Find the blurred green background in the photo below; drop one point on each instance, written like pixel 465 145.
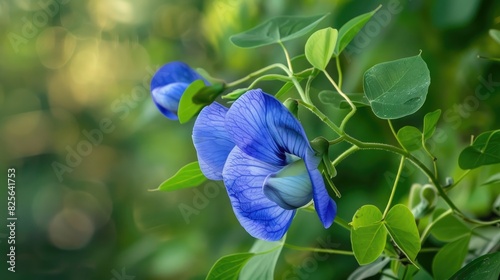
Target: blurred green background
pixel 78 124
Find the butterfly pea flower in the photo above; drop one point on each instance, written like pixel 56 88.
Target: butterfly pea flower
pixel 169 83
pixel 262 154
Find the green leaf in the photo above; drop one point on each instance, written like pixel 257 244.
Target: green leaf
pixel 430 122
pixel 329 97
pixel 278 29
pixel 397 88
pixel 367 271
pixel 410 138
pixel 196 96
pixel 484 151
pixel 320 46
pixel 449 259
pixel 448 228
pixel 229 267
pixel 262 265
pixel 188 176
pixel 400 224
pixel 495 34
pixel 486 267
pixel 368 235
pixel 349 30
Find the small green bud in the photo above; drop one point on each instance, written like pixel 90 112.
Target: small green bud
pixel 293 106
pixel 320 145
pixel 235 94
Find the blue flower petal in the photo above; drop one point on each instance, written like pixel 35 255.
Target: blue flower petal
pixel 167 98
pixel 290 187
pixel 244 177
pixel 263 128
pixel 174 72
pixel 211 140
pixel 325 206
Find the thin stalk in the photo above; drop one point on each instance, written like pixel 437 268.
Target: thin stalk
pixel 391 197
pixel 353 107
pixel 339 70
pixel 394 132
pixel 321 116
pixel 341 222
pixel 287 56
pixel 428 228
pixel 258 72
pixel 319 250
pixel 345 154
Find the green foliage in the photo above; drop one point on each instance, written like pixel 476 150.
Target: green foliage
pixel 430 122
pixel 486 267
pixel 349 30
pixel 403 230
pixel 484 151
pixel 187 177
pixel 262 265
pixel 275 30
pixel 320 46
pixel 367 271
pixel 493 179
pixel 368 234
pixel 229 267
pixel 448 228
pixel 410 138
pixel 397 88
pixel 449 259
pixel 196 96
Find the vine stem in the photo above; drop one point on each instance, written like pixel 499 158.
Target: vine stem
pixel 353 107
pixel 427 229
pixel 345 154
pixel 394 186
pixel 337 60
pixel 287 56
pixel 258 72
pixel 321 116
pixel 423 168
pixel 319 250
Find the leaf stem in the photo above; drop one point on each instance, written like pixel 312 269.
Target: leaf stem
pixel 353 107
pixel 458 180
pixel 394 132
pixel 339 70
pixel 319 250
pixel 394 186
pixel 427 229
pixel 345 154
pixel 321 116
pixel 258 72
pixel 287 56
pixel 341 222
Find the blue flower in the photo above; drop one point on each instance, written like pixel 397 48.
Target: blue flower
pixel 169 83
pixel 268 166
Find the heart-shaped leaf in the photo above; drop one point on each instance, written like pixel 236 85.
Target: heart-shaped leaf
pixel 368 234
pixel 278 29
pixel 320 46
pixel 400 224
pixel 397 88
pixel 484 151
